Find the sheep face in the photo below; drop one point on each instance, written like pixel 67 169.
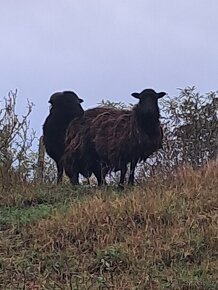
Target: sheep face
pixel 148 102
pixel 66 102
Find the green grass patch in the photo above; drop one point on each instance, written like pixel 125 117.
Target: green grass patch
pixel 160 235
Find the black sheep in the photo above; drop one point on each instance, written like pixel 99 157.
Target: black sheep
pixel 131 136
pixel 108 139
pixel 65 106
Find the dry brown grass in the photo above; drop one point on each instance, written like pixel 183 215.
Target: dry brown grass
pixel 160 235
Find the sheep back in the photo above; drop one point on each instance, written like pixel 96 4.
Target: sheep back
pixel 118 140
pixel 80 154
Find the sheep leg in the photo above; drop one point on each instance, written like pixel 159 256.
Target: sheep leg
pixel 122 176
pixel 100 175
pixel 103 175
pixel 60 173
pixel 132 172
pixel 74 179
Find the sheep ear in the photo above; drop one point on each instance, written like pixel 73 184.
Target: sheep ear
pixel 161 95
pixel 136 95
pixel 81 100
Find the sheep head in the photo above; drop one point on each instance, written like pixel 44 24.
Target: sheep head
pixel 67 102
pixel 148 93
pixel 147 108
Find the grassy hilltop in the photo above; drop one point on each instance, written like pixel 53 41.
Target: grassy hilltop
pixel 162 234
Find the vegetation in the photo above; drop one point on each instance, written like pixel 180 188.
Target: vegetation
pixel 159 235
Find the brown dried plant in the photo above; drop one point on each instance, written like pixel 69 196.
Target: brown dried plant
pixel 16 140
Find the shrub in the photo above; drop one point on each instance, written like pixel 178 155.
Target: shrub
pixel 16 139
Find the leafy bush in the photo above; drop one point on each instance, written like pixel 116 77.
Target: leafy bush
pixel 190 123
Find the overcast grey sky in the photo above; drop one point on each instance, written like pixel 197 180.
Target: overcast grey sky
pixel 105 49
